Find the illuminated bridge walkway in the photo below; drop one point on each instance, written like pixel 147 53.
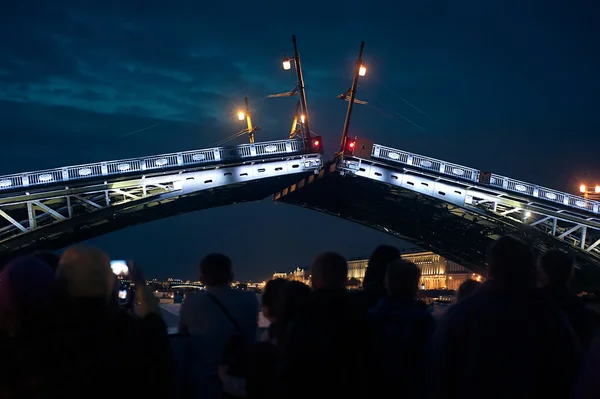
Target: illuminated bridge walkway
pixel 53 208
pixel 450 209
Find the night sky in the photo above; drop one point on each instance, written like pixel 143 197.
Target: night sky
pixel 510 88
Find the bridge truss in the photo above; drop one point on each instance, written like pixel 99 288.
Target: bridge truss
pixel 451 209
pixel 53 208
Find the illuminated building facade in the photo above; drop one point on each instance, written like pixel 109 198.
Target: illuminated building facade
pixel 437 272
pixel 296 275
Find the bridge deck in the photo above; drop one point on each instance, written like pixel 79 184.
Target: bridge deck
pixel 128 167
pixel 395 157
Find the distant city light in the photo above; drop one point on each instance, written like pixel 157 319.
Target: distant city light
pixel 362 71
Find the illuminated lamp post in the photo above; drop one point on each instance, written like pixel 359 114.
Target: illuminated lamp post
pixel 359 71
pixel 248 117
pixel 287 65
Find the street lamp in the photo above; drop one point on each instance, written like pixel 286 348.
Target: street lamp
pixel 248 117
pixel 287 65
pixel 360 70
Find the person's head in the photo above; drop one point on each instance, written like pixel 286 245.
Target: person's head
pixel 467 288
pixel 293 299
pixel 329 272
pixel 27 287
pixel 378 262
pixel 215 270
pixel 511 261
pixel 402 279
pixel 85 273
pixel 555 268
pixel 49 258
pixel 272 297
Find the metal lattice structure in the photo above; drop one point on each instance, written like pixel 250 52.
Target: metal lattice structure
pixel 450 209
pixel 52 208
pixel 566 217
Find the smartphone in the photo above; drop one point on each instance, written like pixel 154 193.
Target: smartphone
pixel 123 294
pixel 119 267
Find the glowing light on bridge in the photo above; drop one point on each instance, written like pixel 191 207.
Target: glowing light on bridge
pixel 241 115
pixel 302 118
pixel 582 188
pixel 362 71
pixel 287 64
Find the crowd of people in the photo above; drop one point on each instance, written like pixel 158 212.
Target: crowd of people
pixel 520 334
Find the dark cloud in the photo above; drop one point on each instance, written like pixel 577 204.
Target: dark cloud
pixel 507 86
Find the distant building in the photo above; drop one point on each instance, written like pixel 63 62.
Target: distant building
pixel 437 272
pixel 296 275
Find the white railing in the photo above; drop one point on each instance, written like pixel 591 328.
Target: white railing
pixel 180 159
pixel 463 172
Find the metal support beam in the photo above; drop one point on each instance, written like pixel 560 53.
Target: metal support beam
pixel 69 207
pixel 31 216
pixel 571 230
pixel 48 210
pixel 13 221
pixel 126 194
pixel 87 201
pixel 306 124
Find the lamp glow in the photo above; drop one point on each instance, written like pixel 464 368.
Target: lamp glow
pixel 362 71
pixel 241 116
pixel 582 188
pixel 597 189
pixel 287 64
pixel 302 118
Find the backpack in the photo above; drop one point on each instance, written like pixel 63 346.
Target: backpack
pixel 237 348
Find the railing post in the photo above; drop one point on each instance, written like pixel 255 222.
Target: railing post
pixel 104 168
pixel 288 146
pixel 65 174
pixel 217 153
pixel 252 150
pixel 25 180
pixel 179 159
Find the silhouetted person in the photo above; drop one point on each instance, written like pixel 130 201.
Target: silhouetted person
pixel 271 306
pixel 290 300
pixel 373 284
pixel 406 326
pixel 27 339
pixel 329 342
pixel 587 384
pixel 467 288
pixel 49 258
pixel 505 340
pixel 99 341
pixel 213 318
pixel 556 270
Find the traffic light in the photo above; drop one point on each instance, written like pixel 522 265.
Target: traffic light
pixel 317 144
pixel 350 146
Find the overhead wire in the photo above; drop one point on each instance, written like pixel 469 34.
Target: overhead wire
pixel 395 93
pixel 373 105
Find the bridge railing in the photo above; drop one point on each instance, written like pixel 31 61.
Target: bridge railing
pixel 464 172
pixel 152 163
